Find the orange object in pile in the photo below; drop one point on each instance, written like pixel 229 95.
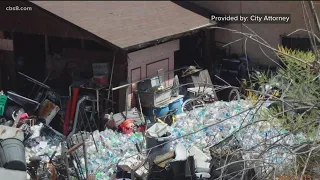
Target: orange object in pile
pixel 127 126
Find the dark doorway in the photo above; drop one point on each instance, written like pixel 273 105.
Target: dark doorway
pixel 190 53
pixel 30 59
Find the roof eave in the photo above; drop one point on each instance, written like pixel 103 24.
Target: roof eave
pixel 155 42
pixel 95 37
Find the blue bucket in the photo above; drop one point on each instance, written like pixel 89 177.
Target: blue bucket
pixel 176 105
pixel 161 111
pixel 158 111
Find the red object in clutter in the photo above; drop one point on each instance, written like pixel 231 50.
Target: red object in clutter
pixel 67 118
pixel 101 80
pixel 24 116
pixel 75 94
pixel 141 129
pixel 127 126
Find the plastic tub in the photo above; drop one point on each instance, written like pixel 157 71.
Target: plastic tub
pixel 176 105
pixel 12 154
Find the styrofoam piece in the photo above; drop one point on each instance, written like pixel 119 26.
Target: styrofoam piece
pixel 142 172
pixel 198 154
pixel 11 132
pixel 181 153
pixel 131 164
pixel 202 166
pixel 203 175
pixel 158 130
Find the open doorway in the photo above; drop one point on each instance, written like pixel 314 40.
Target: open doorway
pixel 29 50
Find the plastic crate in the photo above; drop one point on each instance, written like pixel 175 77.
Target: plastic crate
pixel 3 101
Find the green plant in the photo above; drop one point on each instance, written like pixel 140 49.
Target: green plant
pixel 297 111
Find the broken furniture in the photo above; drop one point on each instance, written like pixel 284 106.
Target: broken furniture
pixel 153 92
pixel 101 107
pixel 83 126
pixel 151 99
pixel 48 111
pixel 39 96
pixel 26 103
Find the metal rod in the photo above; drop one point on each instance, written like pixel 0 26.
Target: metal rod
pixel 98 104
pixel 126 85
pixel 34 81
pixel 75 121
pixel 85 160
pixel 126 105
pixel 22 97
pixel 316 19
pixel 65 157
pixel 75 147
pixel 110 83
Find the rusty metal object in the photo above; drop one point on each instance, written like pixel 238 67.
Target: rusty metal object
pixel 75 147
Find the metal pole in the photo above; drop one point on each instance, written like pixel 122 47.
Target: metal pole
pixel 316 19
pixel 110 83
pixel 85 159
pixel 126 104
pixel 126 85
pixel 34 81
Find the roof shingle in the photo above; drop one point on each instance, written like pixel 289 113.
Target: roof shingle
pixel 126 23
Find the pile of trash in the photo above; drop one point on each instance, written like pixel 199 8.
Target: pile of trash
pixel 43 141
pixel 262 143
pixel 105 149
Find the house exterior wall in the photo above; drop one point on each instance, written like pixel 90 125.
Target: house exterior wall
pixel 269 32
pixel 145 63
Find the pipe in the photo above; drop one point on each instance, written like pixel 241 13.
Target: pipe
pixel 34 81
pixel 110 83
pixel 76 116
pixel 126 85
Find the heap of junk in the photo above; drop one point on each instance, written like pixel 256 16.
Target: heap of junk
pixel 182 131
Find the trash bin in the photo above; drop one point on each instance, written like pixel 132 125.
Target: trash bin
pixel 155 141
pixel 184 169
pixel 12 154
